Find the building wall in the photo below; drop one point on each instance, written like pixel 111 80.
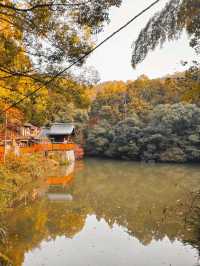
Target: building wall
pixel 58 138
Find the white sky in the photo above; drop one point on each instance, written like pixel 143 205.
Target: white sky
pixel 113 59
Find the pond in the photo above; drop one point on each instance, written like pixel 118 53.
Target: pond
pixel 109 213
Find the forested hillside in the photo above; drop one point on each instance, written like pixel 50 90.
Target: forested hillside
pixel 150 120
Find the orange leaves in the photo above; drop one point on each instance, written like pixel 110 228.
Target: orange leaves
pixel 14 115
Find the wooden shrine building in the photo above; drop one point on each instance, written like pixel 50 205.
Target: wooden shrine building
pixel 59 132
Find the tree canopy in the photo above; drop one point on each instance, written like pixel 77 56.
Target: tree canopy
pixel 168 24
pixel 37 39
pixel 48 32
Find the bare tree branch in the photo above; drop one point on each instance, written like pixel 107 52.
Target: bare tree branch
pixel 48 5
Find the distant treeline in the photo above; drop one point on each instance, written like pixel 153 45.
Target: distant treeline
pixel 150 120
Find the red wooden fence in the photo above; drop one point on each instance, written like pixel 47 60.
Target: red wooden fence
pixel 49 147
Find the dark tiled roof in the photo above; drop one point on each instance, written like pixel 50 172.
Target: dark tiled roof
pixel 57 129
pixel 61 129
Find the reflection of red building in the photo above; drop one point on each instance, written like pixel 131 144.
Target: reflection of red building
pixel 58 187
pixel 65 180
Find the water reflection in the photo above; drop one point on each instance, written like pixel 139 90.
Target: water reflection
pixel 58 187
pixel 118 213
pixel 98 244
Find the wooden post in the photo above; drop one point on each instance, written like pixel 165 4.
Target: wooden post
pixel 5 137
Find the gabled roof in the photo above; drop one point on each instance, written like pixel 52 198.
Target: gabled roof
pixel 61 129
pixel 57 129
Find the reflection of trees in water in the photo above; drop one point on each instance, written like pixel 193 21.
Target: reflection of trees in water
pixel 193 222
pixel 28 227
pixel 150 201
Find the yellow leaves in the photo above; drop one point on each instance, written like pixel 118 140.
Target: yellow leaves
pixel 76 40
pixel 139 105
pixel 89 94
pixel 193 94
pixel 87 32
pixel 9 27
pixel 14 115
pixel 41 222
pixel 25 85
pixel 21 61
pixel 107 89
pixel 143 94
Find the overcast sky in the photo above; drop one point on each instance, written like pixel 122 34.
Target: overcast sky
pixel 113 59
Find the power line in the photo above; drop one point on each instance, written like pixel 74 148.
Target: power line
pixel 82 57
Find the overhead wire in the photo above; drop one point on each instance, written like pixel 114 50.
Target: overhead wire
pixel 81 57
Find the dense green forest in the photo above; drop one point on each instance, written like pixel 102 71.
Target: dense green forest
pixel 150 120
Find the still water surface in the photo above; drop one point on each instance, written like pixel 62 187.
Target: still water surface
pixel 109 213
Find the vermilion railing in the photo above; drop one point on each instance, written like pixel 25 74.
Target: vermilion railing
pixel 60 180
pixel 46 147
